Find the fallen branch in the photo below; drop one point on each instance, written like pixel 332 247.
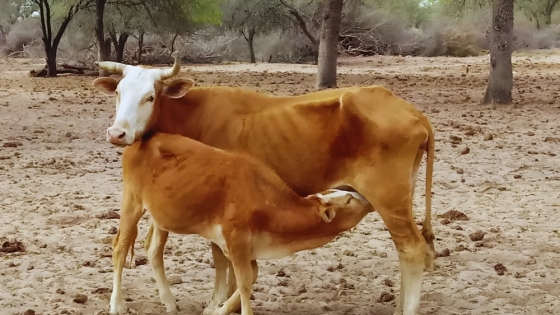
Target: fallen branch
pixel 66 69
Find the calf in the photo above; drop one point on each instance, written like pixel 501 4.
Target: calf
pixel 231 199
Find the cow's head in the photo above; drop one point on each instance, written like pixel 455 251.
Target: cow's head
pixel 137 96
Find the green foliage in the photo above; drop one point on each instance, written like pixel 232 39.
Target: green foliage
pixel 11 11
pixel 253 16
pixel 538 11
pixel 182 16
pixel 409 10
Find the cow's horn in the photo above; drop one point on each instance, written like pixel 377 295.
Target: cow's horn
pixel 171 72
pixel 111 66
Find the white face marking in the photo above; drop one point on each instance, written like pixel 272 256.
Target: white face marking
pixel 335 193
pixel 135 103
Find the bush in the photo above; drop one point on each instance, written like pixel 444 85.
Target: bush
pixel 23 33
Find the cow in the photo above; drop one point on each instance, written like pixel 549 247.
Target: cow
pixel 230 198
pixel 365 138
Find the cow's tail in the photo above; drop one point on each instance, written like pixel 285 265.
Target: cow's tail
pixel 427 231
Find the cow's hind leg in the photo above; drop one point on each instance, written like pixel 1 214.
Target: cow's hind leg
pixel 130 215
pixel 155 245
pixel 390 194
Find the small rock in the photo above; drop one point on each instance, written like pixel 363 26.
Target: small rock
pixel 140 260
pixel 445 221
pixel 455 215
pixel 444 253
pixel 388 282
pixel 488 136
pixel 11 144
pixel 500 269
pixel 88 263
pixel 516 176
pixel 476 236
pixel 175 280
pixel 459 170
pixel 302 289
pixel 29 312
pixel 466 150
pixel 80 298
pixel 386 297
pixel 68 134
pixel 60 291
pixel 101 290
pixel 455 139
pixel 281 273
pixel 530 133
pixel 12 246
pixel 382 255
pixel 109 215
pixel 112 230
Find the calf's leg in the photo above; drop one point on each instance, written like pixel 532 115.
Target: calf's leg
pixel 220 293
pixel 233 303
pixel 155 245
pixel 130 215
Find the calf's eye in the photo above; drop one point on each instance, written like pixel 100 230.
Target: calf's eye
pixel 150 99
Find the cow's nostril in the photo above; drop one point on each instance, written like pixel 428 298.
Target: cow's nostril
pixel 122 135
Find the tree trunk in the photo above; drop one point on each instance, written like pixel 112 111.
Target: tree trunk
pixel 140 46
pixel 301 22
pixel 100 35
pixel 500 83
pixel 250 40
pixel 51 62
pixel 548 18
pixel 119 42
pixel 173 43
pixel 252 51
pixel 328 44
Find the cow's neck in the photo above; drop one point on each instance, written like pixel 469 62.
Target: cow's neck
pixel 199 117
pixel 303 221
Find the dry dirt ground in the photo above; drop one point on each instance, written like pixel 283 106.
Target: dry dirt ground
pixel 58 176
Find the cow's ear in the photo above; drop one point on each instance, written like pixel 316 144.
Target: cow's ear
pixel 105 85
pixel 178 88
pixel 327 213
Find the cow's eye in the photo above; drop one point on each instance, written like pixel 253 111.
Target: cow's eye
pixel 150 99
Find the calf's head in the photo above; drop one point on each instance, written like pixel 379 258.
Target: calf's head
pixel 343 207
pixel 138 96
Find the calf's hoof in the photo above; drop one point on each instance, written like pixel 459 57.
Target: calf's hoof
pixel 210 311
pixel 117 308
pixel 171 307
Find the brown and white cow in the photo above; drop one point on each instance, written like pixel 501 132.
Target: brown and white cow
pixel 362 137
pixel 231 199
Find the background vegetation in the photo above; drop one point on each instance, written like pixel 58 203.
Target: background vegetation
pixel 147 31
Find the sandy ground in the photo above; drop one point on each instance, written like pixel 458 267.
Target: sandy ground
pixel 58 176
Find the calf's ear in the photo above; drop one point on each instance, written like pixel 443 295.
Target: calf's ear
pixel 327 214
pixel 105 85
pixel 178 88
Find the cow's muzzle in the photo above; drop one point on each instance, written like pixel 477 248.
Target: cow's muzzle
pixel 117 135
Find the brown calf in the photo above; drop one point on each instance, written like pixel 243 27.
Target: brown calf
pixel 231 199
